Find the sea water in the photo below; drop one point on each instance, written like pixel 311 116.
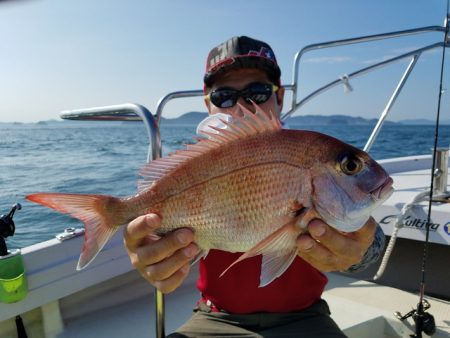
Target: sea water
pixel 104 158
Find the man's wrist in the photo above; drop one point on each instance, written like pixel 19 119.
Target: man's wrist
pixel 372 254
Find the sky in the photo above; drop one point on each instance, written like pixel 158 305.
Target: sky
pixel 58 55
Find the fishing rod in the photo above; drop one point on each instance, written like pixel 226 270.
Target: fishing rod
pixel 424 321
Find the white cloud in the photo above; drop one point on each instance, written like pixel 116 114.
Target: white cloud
pixel 376 60
pixel 328 59
pixel 405 49
pixel 400 51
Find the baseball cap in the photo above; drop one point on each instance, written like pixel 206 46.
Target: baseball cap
pixel 241 52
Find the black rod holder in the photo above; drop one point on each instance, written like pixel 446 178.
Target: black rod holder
pixel 7 228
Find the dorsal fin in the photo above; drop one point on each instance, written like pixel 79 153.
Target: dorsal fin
pixel 213 121
pixel 219 129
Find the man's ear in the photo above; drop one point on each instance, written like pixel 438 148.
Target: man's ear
pixel 280 97
pixel 207 104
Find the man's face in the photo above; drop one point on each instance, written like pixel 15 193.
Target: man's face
pixel 241 78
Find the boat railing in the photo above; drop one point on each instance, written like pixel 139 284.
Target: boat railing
pixel 122 112
pixel 414 55
pixel 125 113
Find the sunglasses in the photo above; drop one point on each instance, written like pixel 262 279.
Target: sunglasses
pixel 227 97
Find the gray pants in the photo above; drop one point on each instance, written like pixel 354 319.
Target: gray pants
pixel 314 321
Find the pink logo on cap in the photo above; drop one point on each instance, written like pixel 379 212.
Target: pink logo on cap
pixel 264 52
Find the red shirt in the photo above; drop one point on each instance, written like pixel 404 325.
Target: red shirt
pixel 237 291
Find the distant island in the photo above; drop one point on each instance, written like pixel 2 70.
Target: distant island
pixel 193 118
pixel 308 120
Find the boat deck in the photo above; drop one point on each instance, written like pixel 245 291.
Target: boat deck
pixel 354 305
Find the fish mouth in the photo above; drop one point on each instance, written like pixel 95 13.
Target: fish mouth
pixel 383 191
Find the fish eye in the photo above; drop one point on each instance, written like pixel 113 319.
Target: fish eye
pixel 350 165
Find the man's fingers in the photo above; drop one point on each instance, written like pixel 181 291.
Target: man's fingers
pixel 316 254
pixel 140 228
pixel 330 238
pixel 163 261
pixel 162 248
pixel 174 281
pixel 328 249
pixel 367 233
pixel 167 267
pixel 352 244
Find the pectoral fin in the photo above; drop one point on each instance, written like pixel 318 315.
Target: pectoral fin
pixel 275 264
pixel 278 250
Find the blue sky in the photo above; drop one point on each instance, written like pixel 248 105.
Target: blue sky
pixel 57 55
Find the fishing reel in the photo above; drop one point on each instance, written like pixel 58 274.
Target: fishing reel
pixel 424 321
pixel 7 228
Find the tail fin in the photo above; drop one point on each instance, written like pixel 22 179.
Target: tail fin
pixel 95 211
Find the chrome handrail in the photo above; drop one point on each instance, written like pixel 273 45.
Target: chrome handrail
pixel 131 112
pixel 344 42
pixel 390 103
pixel 174 95
pixel 122 112
pixel 414 53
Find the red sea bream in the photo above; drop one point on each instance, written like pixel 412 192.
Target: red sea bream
pixel 249 187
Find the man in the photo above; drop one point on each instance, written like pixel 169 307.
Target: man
pixel 244 70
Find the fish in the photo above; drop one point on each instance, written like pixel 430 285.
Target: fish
pixel 247 185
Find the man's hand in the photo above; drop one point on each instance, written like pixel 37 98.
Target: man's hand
pixel 328 249
pixel 164 262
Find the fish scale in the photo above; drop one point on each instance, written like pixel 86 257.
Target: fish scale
pixel 245 200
